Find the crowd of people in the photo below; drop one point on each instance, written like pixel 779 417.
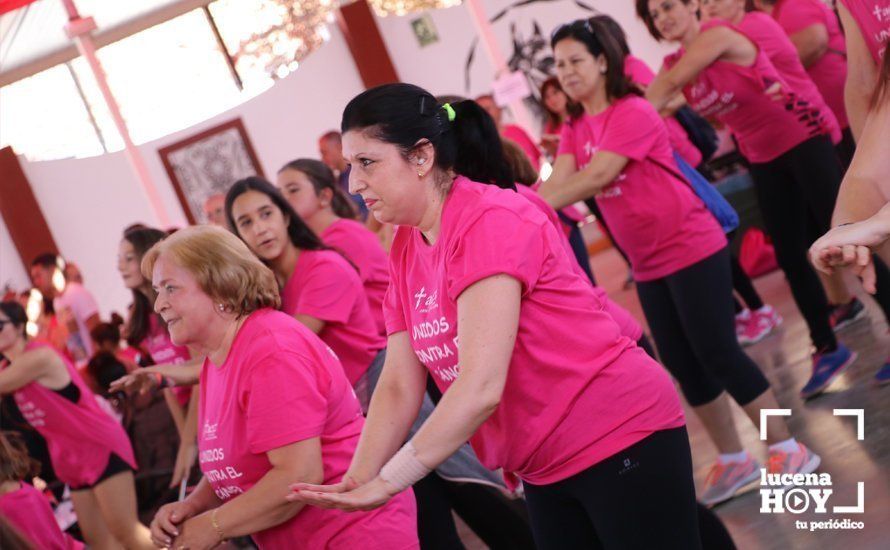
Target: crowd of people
pixel 409 329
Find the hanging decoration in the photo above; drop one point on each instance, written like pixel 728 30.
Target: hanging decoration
pixel 283 34
pixel 404 7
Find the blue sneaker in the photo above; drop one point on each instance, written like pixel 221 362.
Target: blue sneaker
pixel 883 375
pixel 826 367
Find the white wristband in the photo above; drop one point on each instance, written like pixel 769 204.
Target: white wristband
pixel 404 470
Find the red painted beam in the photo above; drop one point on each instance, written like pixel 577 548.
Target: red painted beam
pixel 20 211
pixel 359 27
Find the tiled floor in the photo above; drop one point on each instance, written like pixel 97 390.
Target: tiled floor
pixel 785 359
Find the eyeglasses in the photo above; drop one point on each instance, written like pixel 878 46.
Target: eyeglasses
pixel 580 24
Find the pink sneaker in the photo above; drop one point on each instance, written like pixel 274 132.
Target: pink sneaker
pixel 724 481
pixel 801 461
pixel 760 324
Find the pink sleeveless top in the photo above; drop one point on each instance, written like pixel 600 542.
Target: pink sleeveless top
pixel 873 18
pixel 80 436
pixel 735 95
pixel 769 36
pixel 28 511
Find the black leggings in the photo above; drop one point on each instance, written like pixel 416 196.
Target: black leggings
pixel 642 497
pixel 797 192
pixel 576 241
pixel 499 521
pixel 744 286
pixel 690 314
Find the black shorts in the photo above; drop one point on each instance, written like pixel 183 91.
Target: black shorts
pixel 115 466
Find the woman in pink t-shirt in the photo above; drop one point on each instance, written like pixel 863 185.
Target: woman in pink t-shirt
pixel 275 408
pixel 514 133
pixel 817 37
pixel 308 185
pixel 88 449
pixel 866 26
pixel 534 373
pixel 22 505
pixel 795 169
pixel 147 332
pixel 319 286
pixel 618 151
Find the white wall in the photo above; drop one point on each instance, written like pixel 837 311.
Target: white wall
pixel 440 67
pixel 12 270
pixel 88 202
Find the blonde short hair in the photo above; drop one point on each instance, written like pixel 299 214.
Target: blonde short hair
pixel 226 270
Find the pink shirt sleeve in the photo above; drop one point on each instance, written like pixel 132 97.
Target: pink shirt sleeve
pixel 328 294
pixel 628 131
pixel 566 140
pixel 796 15
pixel 498 242
pixel 393 314
pixel 284 399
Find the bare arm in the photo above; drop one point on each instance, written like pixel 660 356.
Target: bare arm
pixel 28 367
pixel 711 45
pixel 602 169
pixel 862 74
pixel 811 43
pixel 314 324
pixel 394 407
pixel 264 505
pixel 866 185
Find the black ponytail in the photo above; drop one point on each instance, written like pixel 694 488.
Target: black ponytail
pixel 404 114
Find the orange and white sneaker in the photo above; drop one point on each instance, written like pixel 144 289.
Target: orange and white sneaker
pixel 725 480
pixel 801 461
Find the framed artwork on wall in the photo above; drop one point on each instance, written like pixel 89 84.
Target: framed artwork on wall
pixel 207 164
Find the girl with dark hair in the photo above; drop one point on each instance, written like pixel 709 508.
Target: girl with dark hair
pixel 556 110
pixel 89 450
pixel 26 508
pixel 318 286
pixel 619 152
pixel 147 332
pixel 308 185
pixel 484 297
pixel 795 170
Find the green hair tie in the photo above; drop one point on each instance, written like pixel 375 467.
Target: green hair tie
pixel 450 110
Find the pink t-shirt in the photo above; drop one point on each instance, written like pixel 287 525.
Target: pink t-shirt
pixel 80 437
pixel 764 127
pixel 164 352
pixel 362 247
pixel 873 18
pixel 77 302
pixel 771 38
pixel 325 286
pixel 830 70
pixel 657 219
pixel 639 73
pixel 626 323
pixel 522 139
pixel 29 512
pixel 281 385
pixel 577 391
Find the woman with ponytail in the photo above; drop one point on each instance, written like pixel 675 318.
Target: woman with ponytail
pixel 534 374
pixel 308 185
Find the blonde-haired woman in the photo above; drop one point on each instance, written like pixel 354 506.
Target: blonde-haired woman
pixel 275 407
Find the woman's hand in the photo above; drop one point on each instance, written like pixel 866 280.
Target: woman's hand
pixel 850 246
pixel 185 459
pixel 346 495
pixel 166 523
pixel 138 382
pixel 197 533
